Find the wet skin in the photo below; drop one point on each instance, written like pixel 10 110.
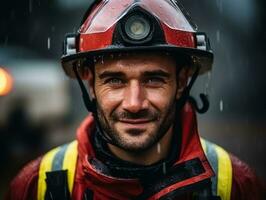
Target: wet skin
pixel 136 97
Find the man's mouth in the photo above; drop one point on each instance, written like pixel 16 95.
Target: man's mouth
pixel 135 121
pixel 135 126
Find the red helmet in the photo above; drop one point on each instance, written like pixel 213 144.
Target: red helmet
pixel 132 26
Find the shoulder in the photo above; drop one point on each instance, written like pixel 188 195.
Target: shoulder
pixel 233 177
pixel 24 185
pixel 246 185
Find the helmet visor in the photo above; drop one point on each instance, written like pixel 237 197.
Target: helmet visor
pixel 109 12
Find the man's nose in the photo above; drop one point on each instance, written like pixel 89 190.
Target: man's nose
pixel 134 98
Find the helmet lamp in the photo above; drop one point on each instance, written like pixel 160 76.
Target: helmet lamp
pixel 137 27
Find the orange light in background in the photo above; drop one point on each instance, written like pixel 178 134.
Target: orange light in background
pixel 6 82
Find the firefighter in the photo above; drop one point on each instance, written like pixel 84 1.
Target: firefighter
pixel 140 140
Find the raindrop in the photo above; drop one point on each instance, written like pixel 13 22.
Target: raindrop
pixel 220 5
pixel 30 6
pixel 221 105
pixel 74 29
pixel 207 84
pixel 164 168
pixel 94 59
pixel 209 74
pixel 218 36
pixel 51 196
pixel 158 148
pixel 48 43
pixel 85 196
pixel 206 91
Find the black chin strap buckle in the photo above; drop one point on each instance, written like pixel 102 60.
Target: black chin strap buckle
pixel 205 103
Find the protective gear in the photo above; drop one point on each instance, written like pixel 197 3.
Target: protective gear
pixel 115 26
pixel 58 162
pixel 92 179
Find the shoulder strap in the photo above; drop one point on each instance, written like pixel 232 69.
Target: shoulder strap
pixel 222 166
pixel 60 158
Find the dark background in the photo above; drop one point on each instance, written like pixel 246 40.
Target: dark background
pixel 34 30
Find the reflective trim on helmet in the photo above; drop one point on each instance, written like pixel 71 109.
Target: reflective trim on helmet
pixel 106 15
pixel 168 13
pixel 109 12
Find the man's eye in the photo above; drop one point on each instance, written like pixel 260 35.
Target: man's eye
pixel 113 81
pixel 155 80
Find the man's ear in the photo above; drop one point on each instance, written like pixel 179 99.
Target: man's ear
pixel 90 77
pixel 182 81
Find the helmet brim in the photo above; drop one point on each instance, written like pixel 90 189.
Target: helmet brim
pixel 199 58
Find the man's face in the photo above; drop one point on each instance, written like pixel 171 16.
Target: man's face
pixel 135 97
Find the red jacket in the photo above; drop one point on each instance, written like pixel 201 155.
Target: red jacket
pixel 245 185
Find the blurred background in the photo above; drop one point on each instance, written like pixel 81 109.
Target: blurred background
pixel 40 107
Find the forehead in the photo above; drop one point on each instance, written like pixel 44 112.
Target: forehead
pixel 129 63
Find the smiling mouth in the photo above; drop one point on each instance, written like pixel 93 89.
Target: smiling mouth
pixel 135 126
pixel 135 121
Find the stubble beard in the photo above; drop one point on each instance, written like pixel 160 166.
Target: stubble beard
pixel 163 123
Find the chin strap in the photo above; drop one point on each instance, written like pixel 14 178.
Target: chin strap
pixel 103 135
pixel 89 104
pixel 186 96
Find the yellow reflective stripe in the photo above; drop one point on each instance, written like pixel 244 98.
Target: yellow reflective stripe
pixel 223 170
pixel 69 163
pixel 45 166
pixel 224 174
pixel 203 144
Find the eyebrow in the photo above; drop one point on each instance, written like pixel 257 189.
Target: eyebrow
pixel 157 73
pixel 161 73
pixel 107 74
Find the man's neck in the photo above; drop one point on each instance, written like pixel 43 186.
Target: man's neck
pixel 154 154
